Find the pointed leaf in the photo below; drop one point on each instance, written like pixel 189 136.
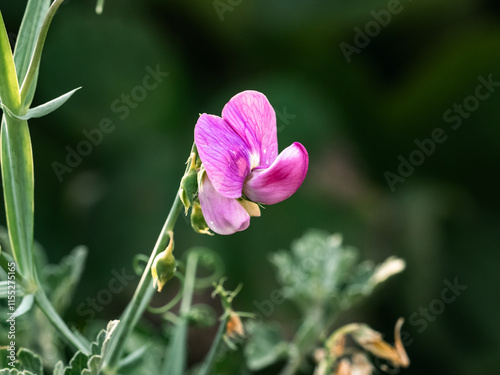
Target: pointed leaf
pixel 44 109
pixel 29 82
pixel 134 357
pixel 9 88
pixel 25 305
pixel 34 15
pixel 32 23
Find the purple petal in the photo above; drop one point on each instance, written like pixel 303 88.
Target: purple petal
pixel 223 153
pixel 282 179
pixel 253 118
pixel 223 215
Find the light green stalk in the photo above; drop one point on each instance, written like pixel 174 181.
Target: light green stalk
pixel 141 297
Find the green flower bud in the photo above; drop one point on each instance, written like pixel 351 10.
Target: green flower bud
pixel 189 188
pixel 189 182
pixel 163 268
pixel 198 220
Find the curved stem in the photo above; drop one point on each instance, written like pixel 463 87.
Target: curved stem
pixel 141 297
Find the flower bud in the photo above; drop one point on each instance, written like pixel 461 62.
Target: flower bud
pixel 198 220
pixel 163 268
pixel 234 327
pixel 188 188
pixel 189 182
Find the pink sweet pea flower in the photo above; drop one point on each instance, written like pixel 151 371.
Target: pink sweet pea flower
pixel 240 155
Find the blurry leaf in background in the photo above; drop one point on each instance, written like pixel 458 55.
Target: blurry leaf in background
pixel 265 346
pixel 60 281
pixel 320 270
pixel 26 362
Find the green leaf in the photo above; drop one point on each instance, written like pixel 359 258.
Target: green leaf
pixel 44 109
pixel 82 364
pixel 4 361
pixel 265 347
pixel 77 364
pixel 17 176
pixel 76 340
pixel 61 280
pixel 26 363
pixel 30 79
pixel 93 366
pixel 9 88
pixel 25 305
pixel 29 361
pixel 134 357
pixel 10 372
pixel 59 368
pixel 32 22
pixel 320 262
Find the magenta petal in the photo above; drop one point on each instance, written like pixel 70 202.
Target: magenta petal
pixel 252 117
pixel 223 153
pixel 282 179
pixel 223 215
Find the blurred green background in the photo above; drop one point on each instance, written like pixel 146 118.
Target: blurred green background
pixel 355 118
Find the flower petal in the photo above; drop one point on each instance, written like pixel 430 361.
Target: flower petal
pixel 223 153
pixel 282 179
pixel 252 117
pixel 223 215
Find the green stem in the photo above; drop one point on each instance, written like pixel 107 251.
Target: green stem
pixel 216 344
pixel 176 358
pixel 304 340
pixel 44 304
pixel 190 279
pixel 142 295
